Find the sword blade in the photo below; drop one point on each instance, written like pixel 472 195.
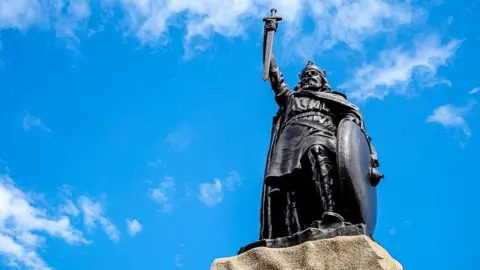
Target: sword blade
pixel 268 43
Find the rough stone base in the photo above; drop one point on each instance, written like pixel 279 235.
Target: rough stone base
pixel 341 252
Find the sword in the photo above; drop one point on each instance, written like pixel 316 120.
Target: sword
pixel 269 32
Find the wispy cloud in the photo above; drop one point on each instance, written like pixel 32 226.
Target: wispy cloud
pixel 164 194
pixel 178 257
pixel 178 260
pixel 20 14
pixel 211 193
pixel 336 21
pixel 91 210
pixel 157 162
pixel 451 116
pixel 29 122
pixel 69 208
pixel 343 22
pixel 133 227
pixel 67 18
pixel 93 215
pixel 474 90
pixel 25 227
pixel 395 69
pixel 233 181
pixel 181 137
pixel 348 24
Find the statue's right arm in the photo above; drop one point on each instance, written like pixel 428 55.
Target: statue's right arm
pixel 280 88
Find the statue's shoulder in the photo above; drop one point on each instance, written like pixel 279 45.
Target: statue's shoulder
pixel 340 94
pixel 341 97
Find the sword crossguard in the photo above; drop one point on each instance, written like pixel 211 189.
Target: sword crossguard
pixel 273 18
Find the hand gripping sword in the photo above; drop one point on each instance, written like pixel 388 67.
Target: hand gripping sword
pixel 269 31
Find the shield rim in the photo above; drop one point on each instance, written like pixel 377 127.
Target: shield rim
pixel 369 190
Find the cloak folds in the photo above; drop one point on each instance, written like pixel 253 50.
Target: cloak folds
pixel 274 214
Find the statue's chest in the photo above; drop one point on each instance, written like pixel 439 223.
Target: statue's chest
pixel 307 104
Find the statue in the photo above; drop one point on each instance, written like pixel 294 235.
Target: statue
pixel 321 166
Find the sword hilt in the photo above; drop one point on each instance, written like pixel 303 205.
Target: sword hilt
pixel 273 17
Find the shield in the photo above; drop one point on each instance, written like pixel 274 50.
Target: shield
pixel 353 163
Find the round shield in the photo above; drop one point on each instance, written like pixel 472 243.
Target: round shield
pixel 353 162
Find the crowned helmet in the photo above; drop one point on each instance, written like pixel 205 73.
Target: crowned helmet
pixel 311 66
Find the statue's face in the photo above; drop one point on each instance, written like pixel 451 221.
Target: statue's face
pixel 311 80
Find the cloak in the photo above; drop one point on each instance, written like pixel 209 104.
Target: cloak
pixel 274 214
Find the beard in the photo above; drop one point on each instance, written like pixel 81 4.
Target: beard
pixel 310 84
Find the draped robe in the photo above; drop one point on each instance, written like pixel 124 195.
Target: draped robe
pixel 285 154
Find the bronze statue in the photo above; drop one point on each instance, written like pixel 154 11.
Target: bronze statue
pixel 321 167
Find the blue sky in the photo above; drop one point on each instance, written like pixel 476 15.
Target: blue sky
pixel 134 132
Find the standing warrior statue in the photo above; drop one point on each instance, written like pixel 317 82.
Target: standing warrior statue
pixel 321 166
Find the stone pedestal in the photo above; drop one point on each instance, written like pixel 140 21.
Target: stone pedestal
pixel 357 252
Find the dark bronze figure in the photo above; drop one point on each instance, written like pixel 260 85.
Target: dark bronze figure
pixel 321 167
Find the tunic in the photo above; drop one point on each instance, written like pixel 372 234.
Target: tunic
pixel 308 121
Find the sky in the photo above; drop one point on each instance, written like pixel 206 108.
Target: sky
pixel 134 133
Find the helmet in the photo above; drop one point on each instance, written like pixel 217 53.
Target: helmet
pixel 311 66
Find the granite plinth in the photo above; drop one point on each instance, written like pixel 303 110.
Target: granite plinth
pixel 337 253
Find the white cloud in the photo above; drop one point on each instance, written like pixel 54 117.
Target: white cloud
pixel 178 260
pixel 133 227
pixel 336 21
pixel 93 215
pixel 181 137
pixel 395 69
pixel 65 17
pixel 211 193
pixel 164 194
pixel 29 121
pixel 233 181
pixel 157 162
pixel 344 22
pixel 347 23
pixel 69 208
pixel 19 14
pixel 451 116
pixel 25 226
pixel 474 90
pixel 70 18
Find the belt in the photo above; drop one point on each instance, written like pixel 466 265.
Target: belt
pixel 297 117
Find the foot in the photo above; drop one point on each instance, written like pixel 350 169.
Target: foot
pixel 331 218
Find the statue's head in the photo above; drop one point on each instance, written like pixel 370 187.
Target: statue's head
pixel 313 78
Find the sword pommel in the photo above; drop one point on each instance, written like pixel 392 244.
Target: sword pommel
pixel 272 12
pixel 273 16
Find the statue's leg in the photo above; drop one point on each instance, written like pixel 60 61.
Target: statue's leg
pixel 292 218
pixel 323 165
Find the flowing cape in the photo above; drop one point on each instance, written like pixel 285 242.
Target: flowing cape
pixel 273 210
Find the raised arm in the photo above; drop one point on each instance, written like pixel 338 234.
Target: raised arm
pixel 280 88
